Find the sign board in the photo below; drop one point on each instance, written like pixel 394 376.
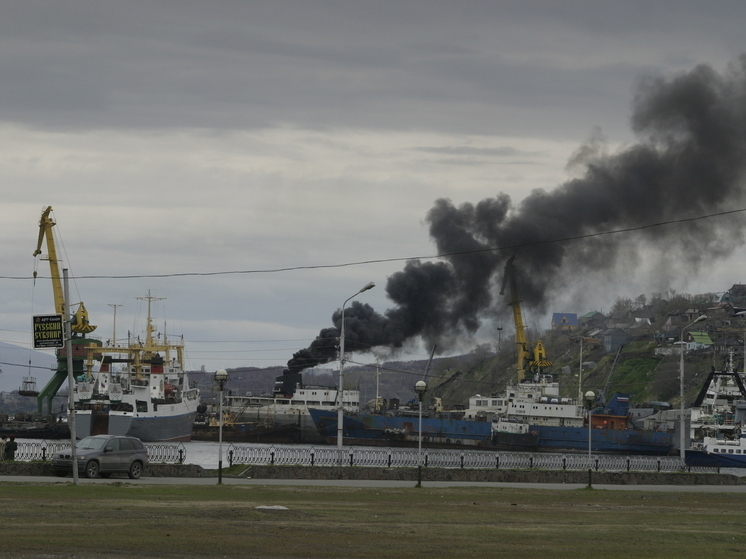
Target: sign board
pixel 48 331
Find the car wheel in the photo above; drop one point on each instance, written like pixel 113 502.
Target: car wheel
pixel 135 470
pixel 91 469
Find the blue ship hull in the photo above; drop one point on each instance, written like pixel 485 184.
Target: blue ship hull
pixel 609 441
pixel 714 459
pixel 381 430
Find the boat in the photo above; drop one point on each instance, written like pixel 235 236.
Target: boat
pixel 720 453
pixel 400 428
pixel 561 424
pixel 716 421
pixel 280 417
pixel 139 390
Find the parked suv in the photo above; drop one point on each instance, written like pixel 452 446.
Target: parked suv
pixel 104 455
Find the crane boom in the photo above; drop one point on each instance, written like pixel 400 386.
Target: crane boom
pixel 80 323
pixel 537 357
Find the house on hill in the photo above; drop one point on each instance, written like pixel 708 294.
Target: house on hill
pixel 697 340
pixel 614 338
pixel 565 322
pixel 593 318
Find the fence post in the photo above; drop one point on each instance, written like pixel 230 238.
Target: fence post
pixel 462 461
pixel 44 454
pixel 531 462
pixel 311 458
pixel 350 458
pixel 272 458
pixel 659 465
pixel 596 465
pixel 628 464
pixel 497 461
pixel 230 457
pixel 564 462
pixel 181 456
pixel 389 458
pixel 426 459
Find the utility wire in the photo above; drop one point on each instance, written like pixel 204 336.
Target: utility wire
pixel 404 259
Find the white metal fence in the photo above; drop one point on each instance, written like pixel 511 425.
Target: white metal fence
pixel 254 455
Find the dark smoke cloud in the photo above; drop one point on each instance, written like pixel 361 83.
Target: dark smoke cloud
pixel 689 161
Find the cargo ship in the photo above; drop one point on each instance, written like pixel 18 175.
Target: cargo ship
pixel 562 423
pixel 401 428
pixel 280 417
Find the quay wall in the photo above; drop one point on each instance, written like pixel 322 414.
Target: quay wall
pixel 410 474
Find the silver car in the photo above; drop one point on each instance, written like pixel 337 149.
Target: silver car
pixel 104 455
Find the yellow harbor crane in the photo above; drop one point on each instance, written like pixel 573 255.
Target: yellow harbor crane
pixel 80 323
pixel 536 357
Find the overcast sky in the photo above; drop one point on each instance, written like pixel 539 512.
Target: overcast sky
pixel 198 137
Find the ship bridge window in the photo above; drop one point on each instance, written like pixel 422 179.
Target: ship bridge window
pixel 141 406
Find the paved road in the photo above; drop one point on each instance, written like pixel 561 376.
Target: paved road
pixel 374 483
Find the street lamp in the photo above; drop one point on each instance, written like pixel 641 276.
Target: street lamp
pixel 420 387
pixel 682 422
pixel 590 398
pixel 340 409
pixel 221 377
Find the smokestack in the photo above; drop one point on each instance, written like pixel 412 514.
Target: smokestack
pixel 688 162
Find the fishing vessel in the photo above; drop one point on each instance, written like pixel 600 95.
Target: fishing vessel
pixel 561 424
pixel 280 417
pixel 139 390
pixel 717 421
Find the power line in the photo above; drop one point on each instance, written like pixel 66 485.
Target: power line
pixel 404 259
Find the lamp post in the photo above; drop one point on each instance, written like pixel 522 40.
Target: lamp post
pixel 590 398
pixel 221 377
pixel 682 422
pixel 340 409
pixel 420 387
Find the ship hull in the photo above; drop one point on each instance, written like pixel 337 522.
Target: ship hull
pixel 381 430
pixel 610 441
pixel 706 459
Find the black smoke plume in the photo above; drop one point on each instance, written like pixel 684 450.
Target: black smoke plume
pixel 689 161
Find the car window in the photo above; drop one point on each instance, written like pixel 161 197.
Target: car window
pixel 137 444
pixel 125 444
pixel 91 443
pixel 112 445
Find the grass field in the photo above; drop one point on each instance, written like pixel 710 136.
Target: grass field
pixel 126 520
